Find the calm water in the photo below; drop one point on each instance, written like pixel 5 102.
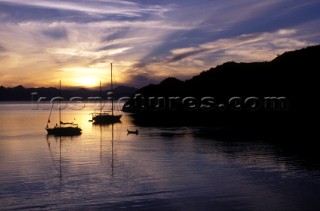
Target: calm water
pixel 161 168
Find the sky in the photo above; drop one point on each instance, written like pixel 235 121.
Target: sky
pixel 44 41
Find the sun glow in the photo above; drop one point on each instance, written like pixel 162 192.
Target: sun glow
pixel 86 81
pixel 83 77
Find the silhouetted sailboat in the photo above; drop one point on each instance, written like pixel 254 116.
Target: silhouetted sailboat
pixel 106 117
pixel 63 128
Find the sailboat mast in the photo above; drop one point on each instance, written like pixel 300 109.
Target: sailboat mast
pixel 100 98
pixel 112 92
pixel 59 104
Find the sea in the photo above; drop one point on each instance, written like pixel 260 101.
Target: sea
pixel 160 168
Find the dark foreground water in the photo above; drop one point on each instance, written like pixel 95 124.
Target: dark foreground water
pixel 167 168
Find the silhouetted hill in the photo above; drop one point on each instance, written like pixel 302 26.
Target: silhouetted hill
pixel 20 93
pixel 280 91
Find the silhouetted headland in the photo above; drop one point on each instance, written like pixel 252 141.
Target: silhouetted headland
pixel 281 92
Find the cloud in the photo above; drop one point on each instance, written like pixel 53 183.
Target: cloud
pixel 2 49
pixel 3 52
pixel 56 32
pixel 273 42
pixel 146 24
pixel 187 54
pixel 83 53
pixel 123 8
pixel 137 80
pixel 286 31
pixel 244 48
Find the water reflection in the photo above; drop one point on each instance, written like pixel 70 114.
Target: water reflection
pixel 64 149
pixel 56 150
pixel 102 128
pixel 174 168
pixel 260 150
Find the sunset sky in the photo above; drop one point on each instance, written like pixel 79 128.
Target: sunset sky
pixel 43 41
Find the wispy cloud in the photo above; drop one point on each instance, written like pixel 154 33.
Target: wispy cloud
pixel 82 53
pixel 123 8
pixel 244 48
pixel 225 44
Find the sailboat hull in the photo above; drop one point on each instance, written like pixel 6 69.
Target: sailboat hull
pixel 64 131
pixel 106 119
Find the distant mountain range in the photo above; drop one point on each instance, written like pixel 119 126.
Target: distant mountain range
pixel 20 93
pixel 282 90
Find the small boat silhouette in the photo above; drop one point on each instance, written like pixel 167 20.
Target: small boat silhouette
pixel 133 132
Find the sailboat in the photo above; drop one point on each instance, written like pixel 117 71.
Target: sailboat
pixel 106 117
pixel 62 128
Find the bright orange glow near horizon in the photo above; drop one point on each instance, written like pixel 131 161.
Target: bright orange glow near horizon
pixel 84 77
pixel 92 76
pixel 86 82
